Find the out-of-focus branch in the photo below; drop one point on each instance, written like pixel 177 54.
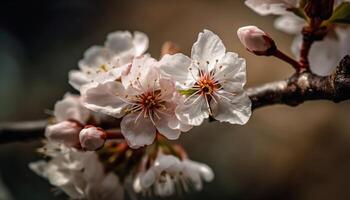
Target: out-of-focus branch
pixel 303 87
pixel 22 131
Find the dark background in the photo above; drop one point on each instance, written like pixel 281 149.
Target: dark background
pixel 282 153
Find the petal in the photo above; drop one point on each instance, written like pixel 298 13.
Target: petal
pixel 105 97
pixel 207 48
pixel 120 43
pixel 267 7
pixel 231 71
pixel 323 57
pixel 290 24
pixel 168 163
pixel 138 130
pixel 235 109
pixel 147 179
pixel 143 74
pixel 94 57
pixel 77 79
pixel 193 112
pixel 163 128
pixel 176 67
pixel 71 108
pixel 140 42
pixel 167 88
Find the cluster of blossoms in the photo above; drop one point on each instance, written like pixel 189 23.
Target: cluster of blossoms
pixel 111 141
pixel 325 53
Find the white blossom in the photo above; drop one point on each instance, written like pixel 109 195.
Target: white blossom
pixel 79 174
pixel 142 98
pixel 215 80
pixel 109 61
pixel 168 174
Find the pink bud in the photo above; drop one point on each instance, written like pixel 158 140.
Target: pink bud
pixel 256 40
pixel 92 138
pixel 66 132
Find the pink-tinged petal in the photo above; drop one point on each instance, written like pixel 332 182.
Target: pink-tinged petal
pixel 177 67
pixel 235 109
pixel 163 127
pixel 105 97
pixel 207 48
pixel 232 71
pixel 77 79
pixel 175 123
pixel 138 130
pixel 140 42
pixel 94 57
pixel 255 39
pixel 120 43
pixel 167 88
pixel 71 108
pixel 193 111
pixel 143 74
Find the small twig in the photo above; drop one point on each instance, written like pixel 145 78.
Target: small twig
pixel 311 33
pixel 282 56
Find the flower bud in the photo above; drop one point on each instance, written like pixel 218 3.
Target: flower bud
pixel 256 40
pixel 66 132
pixel 319 9
pixel 92 138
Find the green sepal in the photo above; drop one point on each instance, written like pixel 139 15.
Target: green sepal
pixel 341 14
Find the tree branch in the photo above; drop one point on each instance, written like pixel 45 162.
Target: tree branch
pixel 22 131
pixel 293 91
pixel 304 86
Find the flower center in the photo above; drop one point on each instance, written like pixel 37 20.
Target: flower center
pixel 207 85
pixel 149 104
pixel 149 100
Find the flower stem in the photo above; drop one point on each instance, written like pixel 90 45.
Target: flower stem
pixel 282 56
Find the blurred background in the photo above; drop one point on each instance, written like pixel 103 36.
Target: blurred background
pixel 284 153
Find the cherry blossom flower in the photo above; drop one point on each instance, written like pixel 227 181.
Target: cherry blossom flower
pixel 109 61
pixel 78 174
pixel 214 80
pixel 142 98
pixel 168 174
